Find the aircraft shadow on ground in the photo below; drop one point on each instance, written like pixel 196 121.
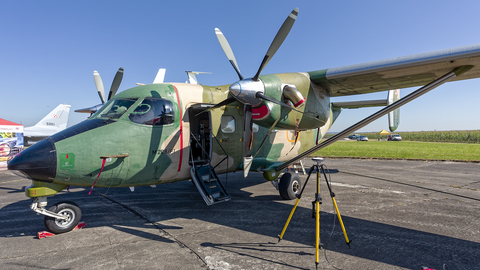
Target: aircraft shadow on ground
pixel 263 215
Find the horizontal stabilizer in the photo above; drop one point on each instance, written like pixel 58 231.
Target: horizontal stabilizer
pixel 393 117
pixel 192 78
pixel 360 104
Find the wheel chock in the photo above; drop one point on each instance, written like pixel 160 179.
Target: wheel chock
pixel 45 234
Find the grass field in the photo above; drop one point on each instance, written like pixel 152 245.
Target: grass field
pixel 403 150
pixel 452 136
pixel 430 150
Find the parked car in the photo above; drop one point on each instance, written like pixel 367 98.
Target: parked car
pixel 353 137
pixel 394 137
pixel 362 138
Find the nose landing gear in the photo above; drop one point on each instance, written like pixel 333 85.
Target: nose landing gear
pixel 60 218
pixel 71 213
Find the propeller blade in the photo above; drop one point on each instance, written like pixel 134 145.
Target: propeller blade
pixel 223 103
pixel 90 110
pixel 267 98
pixel 277 41
pixel 116 83
pixel 228 51
pixel 247 131
pixel 247 140
pixel 99 85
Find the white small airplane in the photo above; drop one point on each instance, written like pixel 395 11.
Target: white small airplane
pixel 52 123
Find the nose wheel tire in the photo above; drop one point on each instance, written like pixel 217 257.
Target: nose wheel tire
pixel 68 209
pixel 289 186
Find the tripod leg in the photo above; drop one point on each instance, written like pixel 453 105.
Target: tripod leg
pixel 336 208
pixel 341 222
pixel 318 200
pixel 280 237
pixel 317 231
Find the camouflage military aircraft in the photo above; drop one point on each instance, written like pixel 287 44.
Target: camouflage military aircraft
pixel 167 132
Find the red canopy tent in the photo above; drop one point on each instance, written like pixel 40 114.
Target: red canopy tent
pixel 7 126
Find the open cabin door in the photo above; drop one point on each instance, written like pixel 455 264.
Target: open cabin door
pixel 200 136
pixel 202 172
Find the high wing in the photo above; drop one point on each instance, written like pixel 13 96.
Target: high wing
pixel 428 70
pixel 397 73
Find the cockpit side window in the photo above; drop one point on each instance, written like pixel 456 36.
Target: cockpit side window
pixel 115 109
pixel 153 112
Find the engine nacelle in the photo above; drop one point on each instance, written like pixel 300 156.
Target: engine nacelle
pixel 291 88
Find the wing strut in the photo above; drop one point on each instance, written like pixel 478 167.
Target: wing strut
pixel 445 78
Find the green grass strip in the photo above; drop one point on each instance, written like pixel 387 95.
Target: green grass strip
pixel 403 150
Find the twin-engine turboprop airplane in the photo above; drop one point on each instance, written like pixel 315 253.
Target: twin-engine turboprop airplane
pixel 167 132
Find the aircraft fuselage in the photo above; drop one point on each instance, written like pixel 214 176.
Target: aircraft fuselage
pixel 155 128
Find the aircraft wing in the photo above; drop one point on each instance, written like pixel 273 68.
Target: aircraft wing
pixel 396 73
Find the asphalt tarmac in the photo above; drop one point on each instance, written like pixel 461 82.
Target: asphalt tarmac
pixel 398 215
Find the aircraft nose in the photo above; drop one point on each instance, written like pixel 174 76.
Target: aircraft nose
pixel 38 161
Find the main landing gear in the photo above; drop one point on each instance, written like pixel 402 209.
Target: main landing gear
pixel 60 218
pixel 289 186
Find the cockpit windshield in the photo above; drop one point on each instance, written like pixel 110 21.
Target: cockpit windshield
pixel 153 112
pixel 115 109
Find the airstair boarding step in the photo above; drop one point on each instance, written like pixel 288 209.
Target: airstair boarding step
pixel 208 184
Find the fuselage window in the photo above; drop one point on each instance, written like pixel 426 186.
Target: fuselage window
pixel 153 112
pixel 115 109
pixel 227 124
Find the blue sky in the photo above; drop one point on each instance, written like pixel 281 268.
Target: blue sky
pixel 49 49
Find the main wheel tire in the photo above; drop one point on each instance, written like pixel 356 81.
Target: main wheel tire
pixel 290 185
pixel 69 209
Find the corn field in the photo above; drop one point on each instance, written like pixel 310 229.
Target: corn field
pixel 455 136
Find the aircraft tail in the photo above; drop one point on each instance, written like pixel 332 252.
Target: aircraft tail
pixel 57 118
pixel 393 116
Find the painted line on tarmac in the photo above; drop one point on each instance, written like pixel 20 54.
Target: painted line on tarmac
pixel 410 185
pixel 12 181
pixel 372 188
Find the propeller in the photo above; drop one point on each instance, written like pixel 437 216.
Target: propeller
pixel 228 51
pixel 101 91
pixel 278 40
pixel 251 91
pixel 113 89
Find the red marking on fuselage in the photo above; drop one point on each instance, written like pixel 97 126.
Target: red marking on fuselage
pixel 181 129
pixel 260 112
